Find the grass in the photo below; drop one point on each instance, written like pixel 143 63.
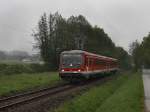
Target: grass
pixel 128 98
pixel 10 62
pixel 21 82
pixel 121 95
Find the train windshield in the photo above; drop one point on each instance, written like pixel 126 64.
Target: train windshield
pixel 71 60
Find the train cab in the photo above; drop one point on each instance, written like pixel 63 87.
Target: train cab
pixel 71 64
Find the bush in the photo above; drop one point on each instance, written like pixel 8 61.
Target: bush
pixel 21 68
pixel 2 66
pixel 38 68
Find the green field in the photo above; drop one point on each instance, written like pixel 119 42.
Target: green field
pixel 124 94
pixel 22 82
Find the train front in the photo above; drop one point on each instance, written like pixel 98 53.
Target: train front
pixel 71 65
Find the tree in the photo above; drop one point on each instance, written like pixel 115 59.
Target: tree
pixel 78 28
pixel 56 34
pixel 42 39
pixel 145 51
pixel 123 58
pixel 49 38
pixel 100 42
pixel 141 53
pixel 135 51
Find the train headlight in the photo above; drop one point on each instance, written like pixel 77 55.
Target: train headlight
pixel 79 70
pixel 62 70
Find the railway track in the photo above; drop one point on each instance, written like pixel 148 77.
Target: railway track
pixel 6 103
pixel 28 97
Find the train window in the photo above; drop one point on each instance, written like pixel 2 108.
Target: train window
pixel 89 62
pixel 96 62
pixel 71 60
pixel 100 62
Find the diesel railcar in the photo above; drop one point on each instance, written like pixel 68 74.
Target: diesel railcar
pixel 77 64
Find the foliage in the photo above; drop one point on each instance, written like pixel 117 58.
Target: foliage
pixel 22 82
pixel 56 34
pixel 99 42
pixel 141 52
pixel 122 95
pixel 123 58
pixel 18 68
pixel 135 51
pixel 145 49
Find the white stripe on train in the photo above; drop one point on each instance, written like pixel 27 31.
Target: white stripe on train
pixel 91 72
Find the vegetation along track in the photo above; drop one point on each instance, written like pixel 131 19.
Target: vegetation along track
pixel 28 97
pixel 20 99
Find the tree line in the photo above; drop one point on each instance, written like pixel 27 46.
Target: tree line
pixel 55 34
pixel 17 55
pixel 141 53
pixel 13 55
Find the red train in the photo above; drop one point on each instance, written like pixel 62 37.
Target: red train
pixel 81 64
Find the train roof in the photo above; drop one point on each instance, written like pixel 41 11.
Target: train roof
pixel 80 51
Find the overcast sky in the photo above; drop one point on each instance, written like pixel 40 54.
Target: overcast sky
pixel 123 20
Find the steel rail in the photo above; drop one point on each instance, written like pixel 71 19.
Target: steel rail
pixel 32 95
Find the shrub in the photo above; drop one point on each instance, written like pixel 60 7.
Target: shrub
pixel 2 66
pixel 21 68
pixel 38 68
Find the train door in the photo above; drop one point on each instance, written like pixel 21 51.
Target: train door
pixel 108 67
pixel 91 64
pixel 86 64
